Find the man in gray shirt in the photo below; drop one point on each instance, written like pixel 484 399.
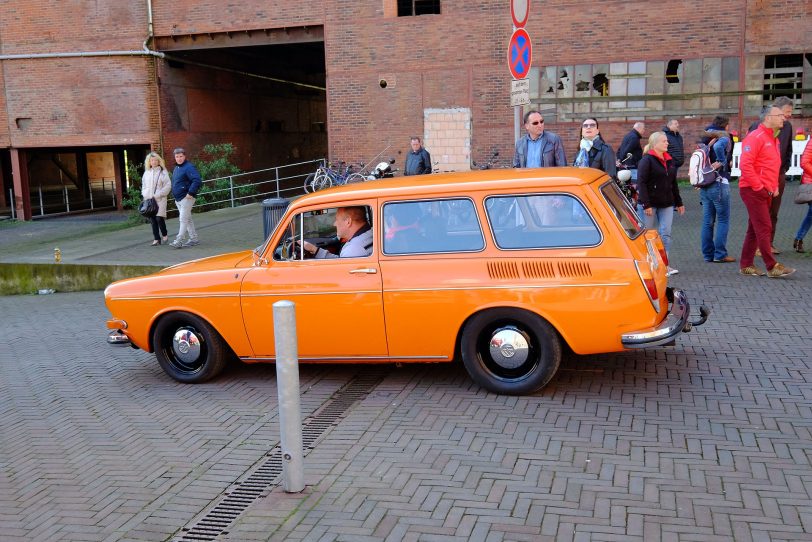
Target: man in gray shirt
pixel 353 230
pixel 538 148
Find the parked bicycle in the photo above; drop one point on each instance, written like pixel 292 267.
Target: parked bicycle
pixel 332 175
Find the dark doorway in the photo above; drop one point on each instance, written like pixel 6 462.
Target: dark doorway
pixel 268 100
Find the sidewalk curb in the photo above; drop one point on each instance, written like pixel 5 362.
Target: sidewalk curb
pixel 28 278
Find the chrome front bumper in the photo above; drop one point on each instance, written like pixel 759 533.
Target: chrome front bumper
pixel 117 337
pixel 675 323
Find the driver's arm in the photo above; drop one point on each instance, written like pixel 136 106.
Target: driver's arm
pixel 317 252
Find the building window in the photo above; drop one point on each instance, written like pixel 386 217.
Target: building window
pixel 407 8
pixel 783 76
pixel 633 90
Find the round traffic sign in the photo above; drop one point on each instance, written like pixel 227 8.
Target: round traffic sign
pixel 519 10
pixel 520 54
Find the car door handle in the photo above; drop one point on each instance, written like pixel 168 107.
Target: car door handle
pixel 366 270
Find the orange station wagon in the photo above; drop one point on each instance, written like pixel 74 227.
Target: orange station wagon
pixel 498 268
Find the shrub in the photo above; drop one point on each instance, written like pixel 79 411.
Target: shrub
pixel 214 162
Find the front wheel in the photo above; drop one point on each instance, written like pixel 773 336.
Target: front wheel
pixel 510 351
pixel 188 348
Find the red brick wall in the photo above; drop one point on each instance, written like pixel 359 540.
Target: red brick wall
pixel 76 101
pixel 457 58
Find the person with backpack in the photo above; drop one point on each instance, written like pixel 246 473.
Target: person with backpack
pixel 714 196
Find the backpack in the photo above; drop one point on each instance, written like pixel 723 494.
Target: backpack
pixel 700 172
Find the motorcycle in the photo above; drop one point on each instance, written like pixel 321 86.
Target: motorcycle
pixel 382 171
pixel 624 181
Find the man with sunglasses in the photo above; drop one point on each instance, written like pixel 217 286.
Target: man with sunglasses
pixel 538 148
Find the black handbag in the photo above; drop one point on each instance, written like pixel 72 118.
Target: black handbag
pixel 148 208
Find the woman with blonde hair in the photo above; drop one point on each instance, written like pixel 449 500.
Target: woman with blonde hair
pixel 155 183
pixel 658 192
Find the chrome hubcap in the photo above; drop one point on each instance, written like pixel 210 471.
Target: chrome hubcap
pixel 509 348
pixel 186 345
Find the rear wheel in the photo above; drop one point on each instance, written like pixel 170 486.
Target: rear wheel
pixel 355 178
pixel 321 181
pixel 188 348
pixel 510 351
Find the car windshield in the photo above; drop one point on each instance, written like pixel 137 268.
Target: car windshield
pixel 622 209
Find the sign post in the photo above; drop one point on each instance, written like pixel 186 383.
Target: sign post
pixel 520 58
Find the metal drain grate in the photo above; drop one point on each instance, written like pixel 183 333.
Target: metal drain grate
pixel 236 500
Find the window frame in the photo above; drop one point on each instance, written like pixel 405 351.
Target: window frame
pixel 589 213
pixel 382 232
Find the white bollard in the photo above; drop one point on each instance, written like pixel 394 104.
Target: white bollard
pixel 287 382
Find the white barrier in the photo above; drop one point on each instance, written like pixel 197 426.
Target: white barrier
pixel 794 164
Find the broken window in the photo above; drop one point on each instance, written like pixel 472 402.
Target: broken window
pixel 407 8
pixel 783 76
pixel 672 70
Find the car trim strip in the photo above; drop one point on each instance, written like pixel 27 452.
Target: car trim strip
pixel 355 292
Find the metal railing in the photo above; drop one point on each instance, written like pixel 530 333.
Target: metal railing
pixel 279 181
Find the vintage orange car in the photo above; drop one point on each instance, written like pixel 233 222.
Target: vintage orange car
pixel 499 268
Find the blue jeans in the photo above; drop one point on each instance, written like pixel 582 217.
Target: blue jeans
pixel 805 225
pixel 715 211
pixel 662 217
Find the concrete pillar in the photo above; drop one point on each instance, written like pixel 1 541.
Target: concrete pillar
pixel 19 173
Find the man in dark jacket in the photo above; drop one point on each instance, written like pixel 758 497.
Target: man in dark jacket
pixel 418 161
pixel 538 148
pixel 785 141
pixel 675 146
pixel 631 145
pixel 186 182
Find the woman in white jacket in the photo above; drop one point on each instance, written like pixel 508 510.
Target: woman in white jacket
pixel 156 183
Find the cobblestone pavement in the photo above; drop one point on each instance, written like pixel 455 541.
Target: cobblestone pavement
pixel 706 440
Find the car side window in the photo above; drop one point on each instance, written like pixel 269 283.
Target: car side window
pixel 431 226
pixel 555 220
pixel 317 227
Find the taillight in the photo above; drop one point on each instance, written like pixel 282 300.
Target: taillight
pixel 645 270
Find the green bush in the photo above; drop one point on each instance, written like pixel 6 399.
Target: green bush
pixel 214 162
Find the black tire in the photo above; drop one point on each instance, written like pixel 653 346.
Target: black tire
pixel 198 355
pixel 523 366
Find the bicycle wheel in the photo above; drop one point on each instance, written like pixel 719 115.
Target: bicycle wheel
pixel 321 180
pixel 308 183
pixel 355 178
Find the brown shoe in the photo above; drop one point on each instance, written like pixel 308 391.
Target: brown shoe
pixel 752 271
pixel 780 270
pixel 798 245
pixel 726 259
pixel 775 250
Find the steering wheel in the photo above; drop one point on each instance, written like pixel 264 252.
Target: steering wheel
pixel 291 250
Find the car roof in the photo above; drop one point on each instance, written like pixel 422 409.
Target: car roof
pixel 459 183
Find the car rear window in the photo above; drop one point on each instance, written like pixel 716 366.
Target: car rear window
pixel 555 220
pixel 622 209
pixel 429 226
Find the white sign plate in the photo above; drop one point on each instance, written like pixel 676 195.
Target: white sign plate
pixel 519 92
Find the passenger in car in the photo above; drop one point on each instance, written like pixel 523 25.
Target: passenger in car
pixel 353 230
pixel 402 228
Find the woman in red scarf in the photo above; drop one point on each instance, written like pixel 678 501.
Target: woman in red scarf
pixel 658 192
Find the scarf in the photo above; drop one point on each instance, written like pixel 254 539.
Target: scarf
pixel 582 160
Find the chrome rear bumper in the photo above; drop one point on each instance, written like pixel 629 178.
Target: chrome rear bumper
pixel 675 323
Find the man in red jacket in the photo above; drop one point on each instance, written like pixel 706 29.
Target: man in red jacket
pixel 758 185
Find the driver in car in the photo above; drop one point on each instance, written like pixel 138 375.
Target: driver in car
pixel 354 232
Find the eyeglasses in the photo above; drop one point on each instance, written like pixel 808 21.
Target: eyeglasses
pixel 590 125
pixel 536 123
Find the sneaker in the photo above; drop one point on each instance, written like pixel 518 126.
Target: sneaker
pixel 191 243
pixel 752 271
pixel 671 271
pixel 780 270
pixel 176 244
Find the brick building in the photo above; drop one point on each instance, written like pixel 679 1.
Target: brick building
pixel 86 84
